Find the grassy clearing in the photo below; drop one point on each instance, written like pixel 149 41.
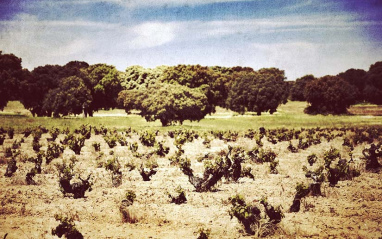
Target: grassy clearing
pixel 290 115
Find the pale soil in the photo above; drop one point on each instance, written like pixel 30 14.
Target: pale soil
pixel 352 209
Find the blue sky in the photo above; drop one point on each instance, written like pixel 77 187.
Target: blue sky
pixel 302 37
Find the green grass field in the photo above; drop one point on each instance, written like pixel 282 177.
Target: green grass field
pixel 290 115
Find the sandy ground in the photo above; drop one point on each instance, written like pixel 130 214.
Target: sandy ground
pixel 352 209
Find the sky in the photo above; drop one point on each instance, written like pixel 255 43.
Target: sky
pixel 319 37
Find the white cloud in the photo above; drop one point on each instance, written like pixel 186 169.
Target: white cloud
pixel 152 34
pixel 301 4
pixel 337 47
pixel 319 59
pixel 72 48
pixel 42 42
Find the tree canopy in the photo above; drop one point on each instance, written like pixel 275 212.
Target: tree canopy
pixel 104 83
pixel 329 95
pixel 70 97
pixel 136 77
pixel 356 78
pixel 373 89
pixel 36 84
pixel 297 90
pixel 10 77
pixel 46 90
pixel 169 103
pixel 260 91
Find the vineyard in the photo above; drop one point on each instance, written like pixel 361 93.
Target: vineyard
pixel 96 182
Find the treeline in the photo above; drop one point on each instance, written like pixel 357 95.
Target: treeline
pixel 334 94
pixel 173 94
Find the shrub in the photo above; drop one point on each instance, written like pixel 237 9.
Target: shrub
pixel 29 177
pixel 96 146
pixel 66 170
pixel 230 136
pixel 2 138
pixel 260 155
pixel 69 137
pixel 11 168
pixel 247 172
pixel 250 134
pixel 302 190
pixel 258 139
pixel 43 129
pixel 99 160
pixel 371 155
pixel 134 147
pixel 54 132
pixel 203 233
pixel 149 169
pixel 272 166
pixel 274 213
pixel 101 130
pixel 303 144
pixel 213 172
pixel 161 150
pixel 272 139
pixel 8 152
pixel 38 161
pixel 331 155
pixel 130 196
pixel 11 132
pixel 66 131
pixel 237 156
pixel 127 215
pixel 16 145
pixel 37 133
pixel 27 131
pixel 111 140
pixel 147 138
pixel 267 155
pixel 207 142
pixel 342 171
pixel 252 218
pixel 76 144
pixel 66 228
pixel 347 142
pixel 247 215
pixel 224 164
pixel 130 165
pixel 317 175
pixel 180 196
pixel 53 151
pixel 114 166
pixel 85 131
pixel 66 173
pixel 122 140
pixel 291 148
pixel 177 157
pixel 312 158
pixel 36 146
